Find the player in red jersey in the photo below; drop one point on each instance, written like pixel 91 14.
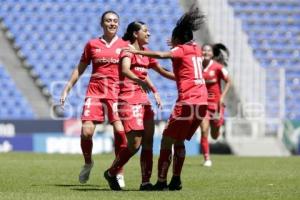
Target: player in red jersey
pixel 103 89
pixel 191 104
pixel 134 107
pixel 214 73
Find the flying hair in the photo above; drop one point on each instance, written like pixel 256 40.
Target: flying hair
pixel 192 20
pixel 189 22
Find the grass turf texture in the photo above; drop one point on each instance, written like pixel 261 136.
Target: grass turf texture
pixel 41 176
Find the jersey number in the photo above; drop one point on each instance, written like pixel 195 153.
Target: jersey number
pixel 197 62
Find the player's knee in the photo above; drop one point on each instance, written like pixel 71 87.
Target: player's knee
pixel 87 133
pixel 147 143
pixel 204 133
pixel 134 148
pixel 166 143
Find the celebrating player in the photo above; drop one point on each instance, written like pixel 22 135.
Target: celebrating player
pixel 135 109
pixel 191 104
pixel 214 72
pixel 103 90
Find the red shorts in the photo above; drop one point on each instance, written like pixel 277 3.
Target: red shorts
pixel 216 116
pixel 94 109
pixel 184 121
pixel 134 115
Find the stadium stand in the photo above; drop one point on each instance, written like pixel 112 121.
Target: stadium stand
pixel 13 104
pixel 51 35
pixel 273 28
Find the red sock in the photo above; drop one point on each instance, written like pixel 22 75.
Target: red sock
pixel 178 159
pixel 120 143
pixel 205 147
pixel 146 161
pixel 86 147
pixel 164 162
pixel 120 161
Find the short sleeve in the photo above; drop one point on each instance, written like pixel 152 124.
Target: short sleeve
pixel 177 52
pixel 86 56
pixel 124 54
pixel 153 62
pixel 223 73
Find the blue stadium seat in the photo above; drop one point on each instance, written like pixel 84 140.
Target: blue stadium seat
pixel 273 29
pixel 52 33
pixel 12 102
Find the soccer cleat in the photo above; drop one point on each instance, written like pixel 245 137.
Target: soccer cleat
pixel 160 186
pixel 207 163
pixel 175 183
pixel 84 174
pixel 146 187
pixel 112 181
pixel 121 180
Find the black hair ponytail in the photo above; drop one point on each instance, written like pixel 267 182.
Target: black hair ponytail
pixel 219 51
pixel 131 28
pixel 189 22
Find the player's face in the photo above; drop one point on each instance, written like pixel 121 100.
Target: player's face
pixel 143 35
pixel 110 24
pixel 207 52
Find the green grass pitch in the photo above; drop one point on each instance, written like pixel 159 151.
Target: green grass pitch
pixel 41 176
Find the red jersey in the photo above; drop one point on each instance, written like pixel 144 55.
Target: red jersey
pixel 131 92
pixel 187 67
pixel 213 74
pixel 105 62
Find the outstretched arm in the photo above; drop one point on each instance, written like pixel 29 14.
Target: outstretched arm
pixel 152 54
pixel 165 73
pixel 77 72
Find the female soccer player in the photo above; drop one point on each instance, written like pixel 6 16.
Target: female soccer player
pixel 134 107
pixel 103 89
pixel 214 72
pixel 191 104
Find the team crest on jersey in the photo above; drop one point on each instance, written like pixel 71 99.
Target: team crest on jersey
pixel 212 73
pixel 118 51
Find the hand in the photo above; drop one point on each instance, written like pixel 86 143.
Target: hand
pixel 63 98
pixel 130 49
pixel 158 100
pixel 144 86
pixel 221 102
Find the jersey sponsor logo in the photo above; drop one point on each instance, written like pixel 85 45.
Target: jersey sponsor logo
pixel 106 60
pixel 118 51
pixel 140 69
pixel 212 73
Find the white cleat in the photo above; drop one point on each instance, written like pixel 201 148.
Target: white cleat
pixel 85 172
pixel 121 180
pixel 207 163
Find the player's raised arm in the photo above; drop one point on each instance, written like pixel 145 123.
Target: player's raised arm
pixel 164 72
